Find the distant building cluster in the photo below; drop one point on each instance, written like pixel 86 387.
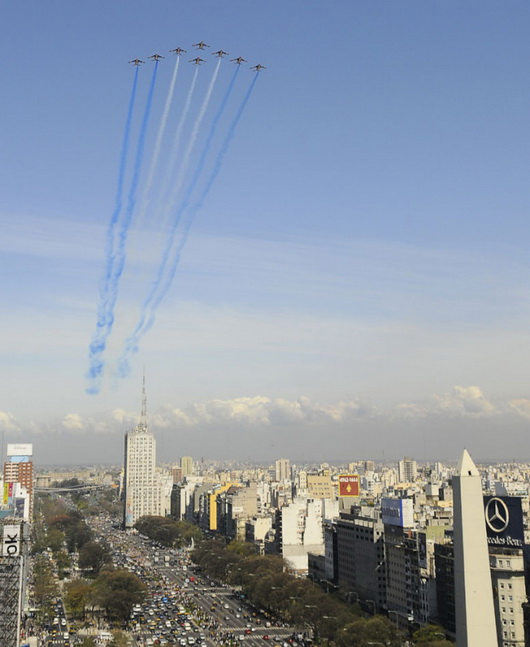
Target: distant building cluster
pixel 383 534
pixel 395 538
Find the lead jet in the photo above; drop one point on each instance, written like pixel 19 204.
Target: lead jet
pixel 197 61
pixel 220 53
pixel 201 45
pixel 258 67
pixel 239 60
pixel 137 61
pixel 178 51
pixel 155 57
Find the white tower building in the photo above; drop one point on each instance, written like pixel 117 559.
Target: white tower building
pixel 475 615
pixel 283 470
pixel 141 485
pixel 408 470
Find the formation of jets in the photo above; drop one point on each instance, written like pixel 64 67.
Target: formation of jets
pixel 197 60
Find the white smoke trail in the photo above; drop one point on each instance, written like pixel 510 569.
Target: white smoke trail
pixel 158 143
pixel 173 197
pixel 172 162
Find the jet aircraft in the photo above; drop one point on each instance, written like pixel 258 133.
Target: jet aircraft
pixel 178 51
pixel 239 60
pixel 155 57
pixel 197 61
pixel 258 67
pixel 201 45
pixel 220 53
pixel 137 61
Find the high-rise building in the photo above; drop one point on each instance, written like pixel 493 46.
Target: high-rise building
pixel 141 486
pixel 360 555
pixel 408 470
pixel 283 469
pixel 18 471
pixel 186 465
pixel 508 579
pixel 176 473
pixel 320 486
pixel 368 466
pixel 474 610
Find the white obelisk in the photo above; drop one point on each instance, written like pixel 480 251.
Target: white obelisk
pixel 475 615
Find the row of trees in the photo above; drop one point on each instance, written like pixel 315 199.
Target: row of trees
pixel 267 584
pixel 44 585
pixel 168 532
pixel 58 526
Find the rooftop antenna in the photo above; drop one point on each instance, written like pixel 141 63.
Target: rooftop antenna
pixel 143 415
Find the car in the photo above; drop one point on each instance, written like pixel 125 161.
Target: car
pixel 248 631
pixel 266 637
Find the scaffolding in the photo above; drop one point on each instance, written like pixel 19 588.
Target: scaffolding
pixel 11 585
pixel 10 600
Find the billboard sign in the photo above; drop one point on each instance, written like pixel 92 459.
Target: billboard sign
pixel 11 541
pixel 349 485
pixel 20 449
pixel 8 492
pixel 19 459
pixel 504 521
pixel 19 504
pixel 397 512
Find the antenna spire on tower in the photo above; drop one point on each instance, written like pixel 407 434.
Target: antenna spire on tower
pixel 143 415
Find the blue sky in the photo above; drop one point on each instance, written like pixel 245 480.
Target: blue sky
pixel 365 241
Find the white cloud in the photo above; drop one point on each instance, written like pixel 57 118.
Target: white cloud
pixel 460 401
pixel 124 417
pixel 262 410
pixel 8 422
pixel 73 421
pixel 521 406
pixel 465 400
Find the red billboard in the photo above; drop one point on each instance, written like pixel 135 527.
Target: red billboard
pixel 349 485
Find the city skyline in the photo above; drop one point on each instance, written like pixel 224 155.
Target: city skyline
pixel 355 283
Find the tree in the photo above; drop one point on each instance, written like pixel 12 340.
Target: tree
pixel 88 641
pixel 364 633
pixel 55 539
pixel 119 639
pixel 93 556
pixel 63 561
pixel 44 586
pixel 117 592
pixel 77 597
pixel 430 636
pixel 78 535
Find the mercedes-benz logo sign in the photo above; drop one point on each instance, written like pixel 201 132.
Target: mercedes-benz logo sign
pixel 497 515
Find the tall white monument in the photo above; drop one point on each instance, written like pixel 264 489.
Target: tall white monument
pixel 475 615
